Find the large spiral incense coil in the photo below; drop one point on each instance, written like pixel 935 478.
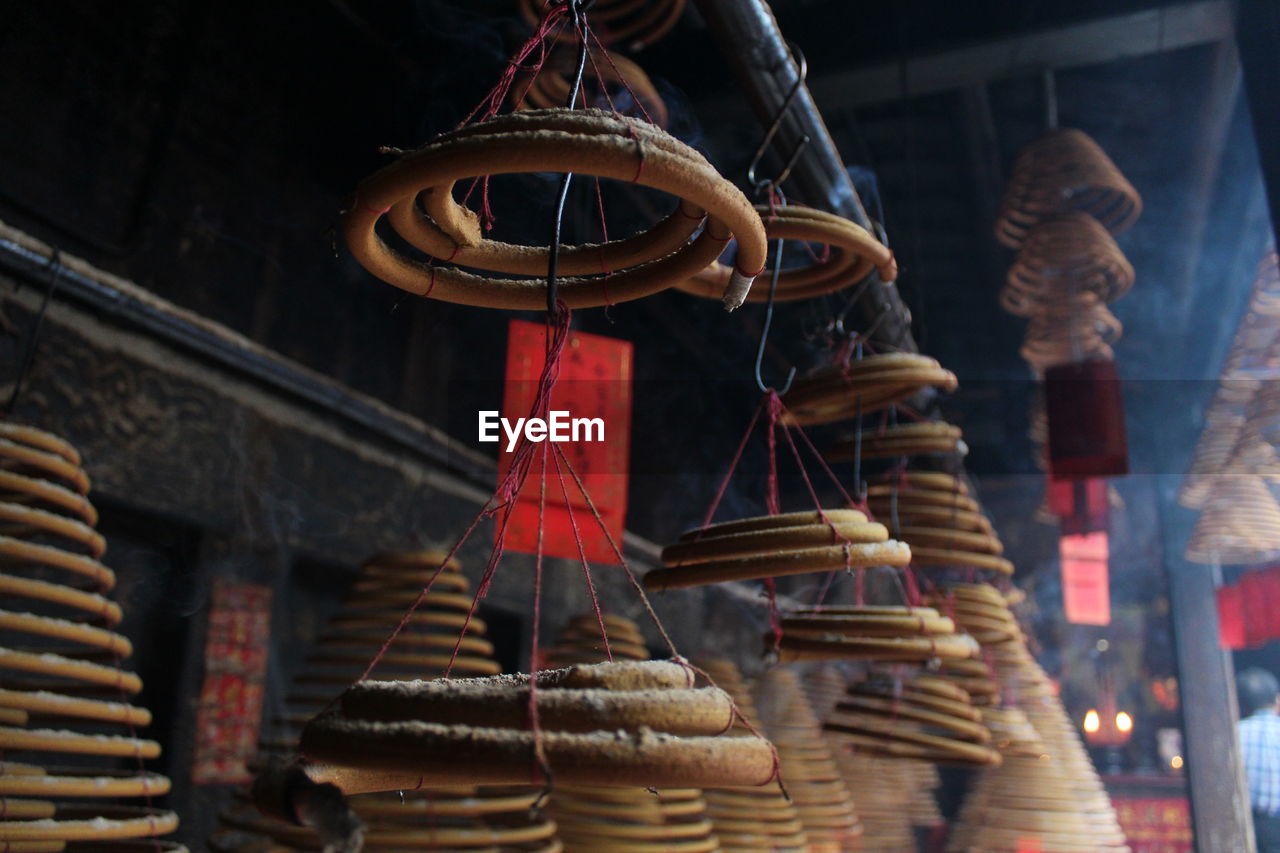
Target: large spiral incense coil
pixel 612 81
pixel 850 252
pixel 774 546
pixel 1063 256
pixel 748 820
pixel 1254 356
pixel 922 717
pixel 1046 790
pixel 1240 523
pixel 943 528
pixel 808 766
pixel 634 24
pixel 67 725
pixel 1064 170
pixel 457 817
pixel 610 724
pixel 899 440
pixel 1078 329
pixel 416 192
pixel 606 819
pixel 871 632
pixel 581 641
pixel 841 392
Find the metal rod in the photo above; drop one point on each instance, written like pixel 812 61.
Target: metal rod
pixel 760 59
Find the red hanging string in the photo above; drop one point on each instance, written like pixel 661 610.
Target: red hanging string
pixel 535 725
pixel 582 554
pixel 733 464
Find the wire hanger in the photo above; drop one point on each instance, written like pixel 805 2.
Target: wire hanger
pixel 771 188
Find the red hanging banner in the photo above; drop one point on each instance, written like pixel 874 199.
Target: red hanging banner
pixel 1086 591
pixel 235 669
pixel 590 420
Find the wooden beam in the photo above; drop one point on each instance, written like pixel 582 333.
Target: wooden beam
pixel 1091 43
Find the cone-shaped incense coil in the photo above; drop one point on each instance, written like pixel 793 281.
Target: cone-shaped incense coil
pixel 1240 524
pixel 776 545
pixel 1061 171
pixel 879 786
pixel 72 767
pixel 750 819
pixel 944 527
pixel 1063 256
pixel 912 439
pixel 582 642
pixel 624 818
pixel 872 632
pixel 440 818
pixel 1074 330
pixel 1254 356
pixel 914 716
pixel 840 392
pixel 807 764
pixel 1046 792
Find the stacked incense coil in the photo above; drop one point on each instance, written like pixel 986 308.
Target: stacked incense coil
pixel 621 724
pixel 841 392
pixel 1046 792
pixel 850 253
pixel 879 786
pixel 1254 356
pixel 748 820
pixel 1063 171
pixel 901 440
pixel 593 818
pixel 916 716
pixel 66 728
pixel 1240 523
pixel 776 545
pixel 634 23
pixel 452 817
pixel 885 633
pixel 582 642
pixel 415 193
pixel 611 80
pixel 936 516
pixel 808 766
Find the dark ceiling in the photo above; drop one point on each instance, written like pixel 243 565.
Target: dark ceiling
pixel 205 152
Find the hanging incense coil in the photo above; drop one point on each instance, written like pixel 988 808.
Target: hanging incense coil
pixel 943 529
pixel 1254 356
pixel 925 717
pixel 974 676
pixel 750 819
pixel 914 439
pixel 840 392
pixel 1240 524
pixel 65 717
pixel 611 82
pixel 581 641
pixel 871 632
pixel 416 194
pixel 1064 170
pixel 774 546
pixel 1081 329
pixel 849 254
pixel 358 748
pixel 807 764
pixel 633 23
pixel 883 790
pixel 452 817
pixel 624 818
pixel 1063 256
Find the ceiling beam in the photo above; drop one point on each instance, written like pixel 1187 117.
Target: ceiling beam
pixel 1091 43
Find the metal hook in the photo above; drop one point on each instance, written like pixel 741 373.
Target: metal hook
pixel 760 184
pixel 768 321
